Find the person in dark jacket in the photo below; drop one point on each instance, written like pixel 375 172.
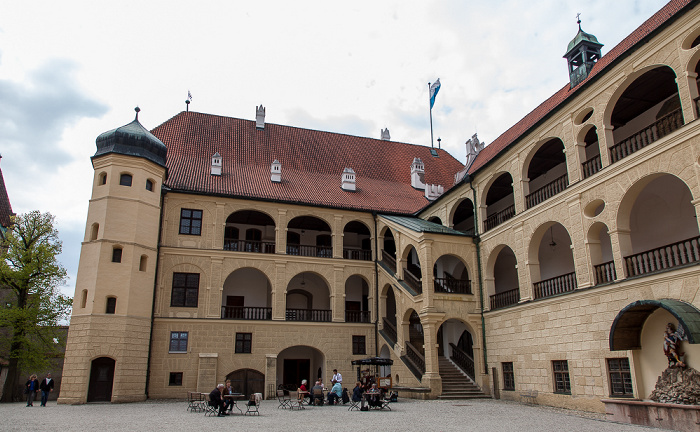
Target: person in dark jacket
pixel 46 387
pixel 357 392
pixel 30 389
pixel 216 399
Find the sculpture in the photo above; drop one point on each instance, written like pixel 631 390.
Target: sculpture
pixel 672 340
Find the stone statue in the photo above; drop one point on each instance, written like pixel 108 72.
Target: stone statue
pixel 672 341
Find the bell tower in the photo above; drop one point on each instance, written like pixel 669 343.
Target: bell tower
pixel 581 54
pixel 108 341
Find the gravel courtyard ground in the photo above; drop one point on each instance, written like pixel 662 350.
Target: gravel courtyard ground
pixel 406 415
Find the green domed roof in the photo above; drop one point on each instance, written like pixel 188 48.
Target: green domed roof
pixel 132 140
pixel 582 36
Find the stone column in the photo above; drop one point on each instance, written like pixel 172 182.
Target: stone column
pixel 281 232
pixel 621 246
pixel 219 226
pixel 431 377
pixel 337 236
pixel 605 141
pixel 337 302
pixel 426 257
pixel 215 289
pixel 279 292
pixel 270 376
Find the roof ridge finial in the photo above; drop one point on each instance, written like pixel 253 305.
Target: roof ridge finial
pixel 578 20
pixel 137 109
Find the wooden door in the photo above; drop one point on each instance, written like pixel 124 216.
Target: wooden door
pixel 101 380
pixel 247 381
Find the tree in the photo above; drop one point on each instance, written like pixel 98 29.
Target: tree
pixel 32 305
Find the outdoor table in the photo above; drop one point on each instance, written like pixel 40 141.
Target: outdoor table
pixel 233 398
pixel 366 396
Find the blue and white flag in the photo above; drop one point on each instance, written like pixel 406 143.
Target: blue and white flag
pixel 189 95
pixel 434 89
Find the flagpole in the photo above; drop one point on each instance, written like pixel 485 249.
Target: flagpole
pixel 431 119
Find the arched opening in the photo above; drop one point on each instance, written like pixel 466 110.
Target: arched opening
pixel 415 350
pixel 600 249
pixel 450 276
pixel 500 201
pixel 550 247
pixel 385 370
pixel 435 220
pixel 308 298
pixel 102 179
pixel 389 251
pixel 101 380
pixel 83 299
pixel 149 185
pixel 94 231
pixel 247 295
pixel 259 229
pixel 504 274
pixel 662 224
pixel 357 300
pixel 463 218
pixel 315 237
pixel 591 152
pixel 357 242
pixel 247 381
pixel 111 305
pixel 298 363
pixel 116 254
pixel 647 110
pixel 412 273
pixel 455 341
pixel 546 173
pixel 389 316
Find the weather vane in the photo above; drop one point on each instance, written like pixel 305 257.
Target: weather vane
pixel 578 20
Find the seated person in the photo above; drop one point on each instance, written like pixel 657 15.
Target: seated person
pixel 357 392
pixel 314 390
pixel 335 394
pixel 375 398
pixel 228 390
pixel 217 401
pixel 304 391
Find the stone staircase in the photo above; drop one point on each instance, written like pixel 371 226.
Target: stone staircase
pixel 455 384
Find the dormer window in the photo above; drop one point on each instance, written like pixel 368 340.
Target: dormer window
pixel 125 180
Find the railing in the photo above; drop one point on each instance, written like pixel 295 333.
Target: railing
pixel 389 260
pixel 249 246
pixel 357 254
pixel 412 281
pixel 657 130
pixel 498 218
pixel 390 330
pixel 604 273
pixel 453 286
pixel 310 250
pixel 547 191
pixel 592 166
pixel 505 298
pixel 664 257
pixel 357 316
pixel 463 360
pixel 555 285
pixel 246 313
pixel 415 357
pixel 314 315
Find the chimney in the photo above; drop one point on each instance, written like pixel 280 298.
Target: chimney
pixel 432 192
pixel 276 171
pixel 260 117
pixel 216 164
pixel 348 180
pixel 385 135
pixel 418 174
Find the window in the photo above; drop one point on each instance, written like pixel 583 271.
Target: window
pixel 149 185
pixel 83 299
pixel 116 254
pixel 143 263
pixel 358 345
pixel 508 376
pixel 103 179
pixel 95 230
pixel 111 305
pixel 244 342
pixel 185 290
pixel 620 377
pixel 178 342
pixel 125 180
pixel 561 377
pixel 175 379
pixel 190 222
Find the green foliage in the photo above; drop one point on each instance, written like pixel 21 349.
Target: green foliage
pixel 32 304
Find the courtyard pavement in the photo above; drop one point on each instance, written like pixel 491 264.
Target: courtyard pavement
pixel 406 415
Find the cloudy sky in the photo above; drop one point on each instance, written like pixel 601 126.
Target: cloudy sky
pixel 71 70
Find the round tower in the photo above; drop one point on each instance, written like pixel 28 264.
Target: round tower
pixel 107 349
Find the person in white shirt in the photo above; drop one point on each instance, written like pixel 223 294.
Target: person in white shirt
pixel 337 377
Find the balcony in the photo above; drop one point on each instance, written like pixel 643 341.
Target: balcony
pixel 591 166
pixel 357 316
pixel 498 218
pixel 547 191
pixel 249 246
pixel 659 129
pixel 506 298
pixel 555 285
pixel 604 273
pixel 664 257
pixel 310 251
pixel 310 315
pixel 357 254
pixel 246 313
pixel 452 286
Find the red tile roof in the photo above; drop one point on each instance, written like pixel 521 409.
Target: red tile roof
pixel 550 105
pixel 5 207
pixel 312 164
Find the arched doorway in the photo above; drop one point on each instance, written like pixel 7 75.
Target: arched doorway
pixel 298 363
pixel 101 380
pixel 456 342
pixel 247 295
pixel 550 246
pixel 357 300
pixel 308 298
pixel 463 217
pixel 500 201
pixel 546 173
pixel 247 381
pixel 502 278
pixel 257 227
pixel 450 276
pixel 357 242
pixel 309 236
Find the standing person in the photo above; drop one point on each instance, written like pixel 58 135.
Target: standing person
pixel 337 377
pixel 46 387
pixel 31 387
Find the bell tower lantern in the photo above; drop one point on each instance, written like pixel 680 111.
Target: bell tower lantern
pixel 582 53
